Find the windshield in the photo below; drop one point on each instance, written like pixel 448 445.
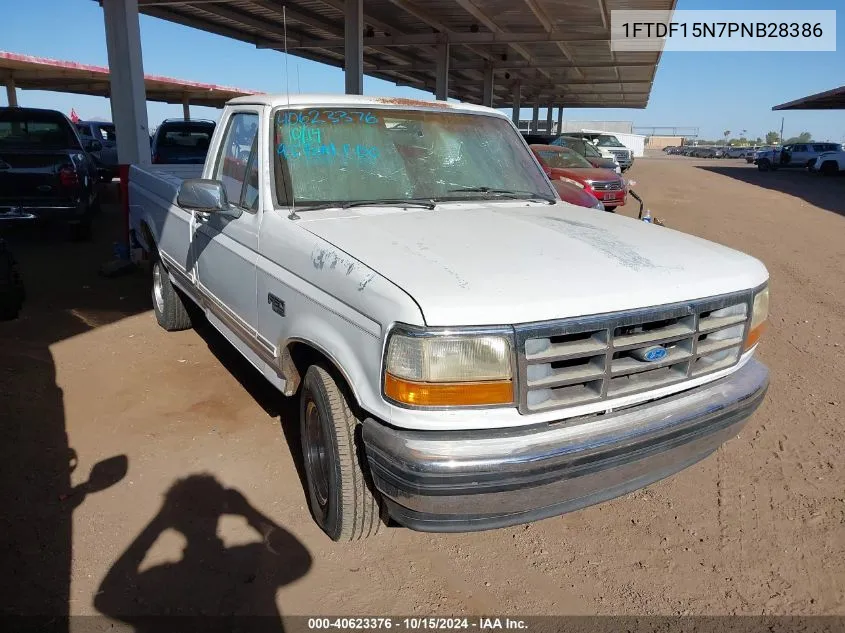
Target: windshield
pixel 562 158
pixel 184 138
pixel 329 155
pixel 607 140
pixel 44 130
pixel 579 145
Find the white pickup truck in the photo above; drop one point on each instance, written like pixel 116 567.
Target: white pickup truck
pixel 469 351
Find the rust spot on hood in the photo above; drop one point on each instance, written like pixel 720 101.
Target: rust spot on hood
pixel 412 102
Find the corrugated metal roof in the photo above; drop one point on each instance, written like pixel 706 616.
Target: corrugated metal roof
pixel 558 50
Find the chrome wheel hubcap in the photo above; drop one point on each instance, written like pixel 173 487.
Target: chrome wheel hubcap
pixel 316 462
pixel 158 292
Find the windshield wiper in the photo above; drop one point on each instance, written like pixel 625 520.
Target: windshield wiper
pixel 425 203
pixel 508 193
pixel 393 202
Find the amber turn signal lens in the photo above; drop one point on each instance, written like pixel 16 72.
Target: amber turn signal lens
pixel 448 394
pixel 754 336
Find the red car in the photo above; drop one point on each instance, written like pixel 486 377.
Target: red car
pixel 577 195
pixel 562 163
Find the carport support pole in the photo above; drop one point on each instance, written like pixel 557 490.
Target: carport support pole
pixel 128 95
pixel 549 119
pixel 535 117
pixel 487 97
pixel 353 47
pixel 186 107
pixel 560 120
pixel 517 97
pixel 11 93
pixel 441 84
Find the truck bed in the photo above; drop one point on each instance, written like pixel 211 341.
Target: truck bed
pixel 163 180
pixel 152 194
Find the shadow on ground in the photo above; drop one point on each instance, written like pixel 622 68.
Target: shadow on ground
pixel 66 296
pixel 285 410
pixel 220 588
pixel 822 192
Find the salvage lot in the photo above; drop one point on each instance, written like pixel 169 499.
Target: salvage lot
pixel 757 528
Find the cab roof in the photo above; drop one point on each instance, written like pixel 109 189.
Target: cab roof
pixel 331 100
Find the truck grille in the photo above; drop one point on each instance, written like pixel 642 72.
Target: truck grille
pixel 609 185
pixel 584 360
pixel 620 154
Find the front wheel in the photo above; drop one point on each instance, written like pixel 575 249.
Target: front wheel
pixel 340 491
pixel 763 164
pixel 610 209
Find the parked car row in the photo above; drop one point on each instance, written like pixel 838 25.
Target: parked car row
pixel 710 151
pixel 800 155
pixel 50 167
pixel 579 172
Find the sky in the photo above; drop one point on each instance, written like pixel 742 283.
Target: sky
pixel 712 91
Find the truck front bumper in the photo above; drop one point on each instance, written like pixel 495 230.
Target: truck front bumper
pixel 460 481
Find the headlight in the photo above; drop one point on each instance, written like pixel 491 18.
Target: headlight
pixel 428 369
pixel 571 182
pixel 759 315
pixel 599 205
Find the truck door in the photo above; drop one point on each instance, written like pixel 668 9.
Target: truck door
pixel 225 248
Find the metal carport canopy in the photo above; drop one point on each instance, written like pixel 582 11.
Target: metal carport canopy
pixel 829 100
pixel 552 52
pixel 38 73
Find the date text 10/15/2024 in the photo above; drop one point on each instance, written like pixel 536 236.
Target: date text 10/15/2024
pixel 417 623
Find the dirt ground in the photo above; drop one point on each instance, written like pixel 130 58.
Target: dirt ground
pixel 87 375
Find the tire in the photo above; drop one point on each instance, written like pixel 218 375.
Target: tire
pixel 339 486
pixel 763 164
pixel 611 209
pixel 829 168
pixel 168 305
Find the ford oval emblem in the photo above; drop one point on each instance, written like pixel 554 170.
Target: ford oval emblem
pixel 653 354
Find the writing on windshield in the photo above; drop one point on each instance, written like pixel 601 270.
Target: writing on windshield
pixel 327 154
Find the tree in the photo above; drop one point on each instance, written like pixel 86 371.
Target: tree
pixel 758 141
pixel 804 137
pixel 772 138
pixel 726 134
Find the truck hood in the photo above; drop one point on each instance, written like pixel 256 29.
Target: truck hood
pixel 584 174
pixel 506 263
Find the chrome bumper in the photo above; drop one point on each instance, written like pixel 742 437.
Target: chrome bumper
pixel 474 480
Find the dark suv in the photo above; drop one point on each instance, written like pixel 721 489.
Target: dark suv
pixel 177 141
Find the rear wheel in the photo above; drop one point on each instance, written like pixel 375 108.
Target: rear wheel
pixel 340 491
pixel 168 305
pixel 829 168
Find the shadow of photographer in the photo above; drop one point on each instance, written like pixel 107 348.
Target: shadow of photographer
pixel 218 586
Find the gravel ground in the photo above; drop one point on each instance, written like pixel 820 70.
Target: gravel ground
pixel 87 375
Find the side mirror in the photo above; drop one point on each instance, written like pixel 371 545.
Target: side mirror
pixel 205 196
pixel 107 473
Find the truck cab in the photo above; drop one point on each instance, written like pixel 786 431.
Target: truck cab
pixel 467 350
